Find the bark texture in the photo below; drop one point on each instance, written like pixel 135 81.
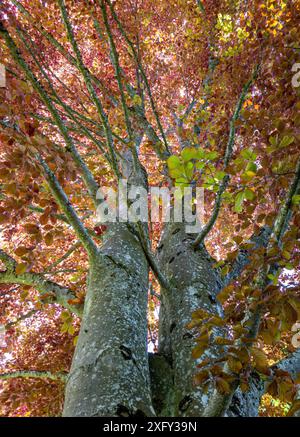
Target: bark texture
pixel 195 284
pixel 109 374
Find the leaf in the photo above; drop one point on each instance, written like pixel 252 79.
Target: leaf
pixel 260 359
pixel 273 141
pixel 137 100
pixel 21 250
pixel 212 155
pixel 286 141
pixel 24 294
pixel 286 389
pixel 252 167
pixel 249 195
pixel 44 219
pixel 201 377
pixel 244 386
pixel 248 154
pixel 176 173
pixel 189 170
pixel 21 268
pixel 222 341
pixel 296 199
pixel 222 385
pixel 189 153
pixel 220 175
pixel 200 165
pixel 65 315
pixel 234 365
pixel 200 348
pixel 49 238
pixel 294 408
pixel 238 204
pixel 173 162
pixel 64 328
pixel 31 228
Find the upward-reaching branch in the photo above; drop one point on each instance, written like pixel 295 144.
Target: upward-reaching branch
pixel 87 176
pixel 88 81
pixel 139 64
pixel 228 153
pixel 68 210
pixel 60 48
pixel 116 64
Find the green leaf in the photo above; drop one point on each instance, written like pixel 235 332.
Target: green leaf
pixel 176 172
pixel 273 140
pixel 137 100
pixel 249 195
pixel 220 175
pixel 200 165
pixel 181 184
pixel 296 199
pixel 189 153
pixel 189 170
pixel 64 328
pixel 248 154
pixel 286 141
pixel 182 180
pixel 201 153
pixel 173 162
pixel 65 315
pixel 251 166
pixel 238 204
pixel 211 155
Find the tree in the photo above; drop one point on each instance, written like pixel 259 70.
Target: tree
pixel 176 93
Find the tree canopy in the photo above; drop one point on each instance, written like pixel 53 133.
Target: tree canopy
pixel 199 93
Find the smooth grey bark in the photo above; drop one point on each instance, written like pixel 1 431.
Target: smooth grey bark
pixel 109 375
pixel 246 404
pixel 243 257
pixel 161 377
pixel 195 284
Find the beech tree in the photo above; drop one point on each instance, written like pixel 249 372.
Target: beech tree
pixel 177 93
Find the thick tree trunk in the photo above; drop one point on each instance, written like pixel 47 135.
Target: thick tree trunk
pixel 109 374
pixel 195 284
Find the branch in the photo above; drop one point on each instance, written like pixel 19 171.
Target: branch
pixel 34 374
pixel 219 403
pixel 61 295
pixel 247 404
pixel 68 210
pixel 136 57
pixel 285 210
pixel 62 258
pixel 37 24
pixel 228 153
pixel 20 319
pixel 242 259
pixel 7 260
pixel 116 65
pixel 290 363
pixel 151 257
pixel 87 176
pixel 88 81
pixel 201 6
